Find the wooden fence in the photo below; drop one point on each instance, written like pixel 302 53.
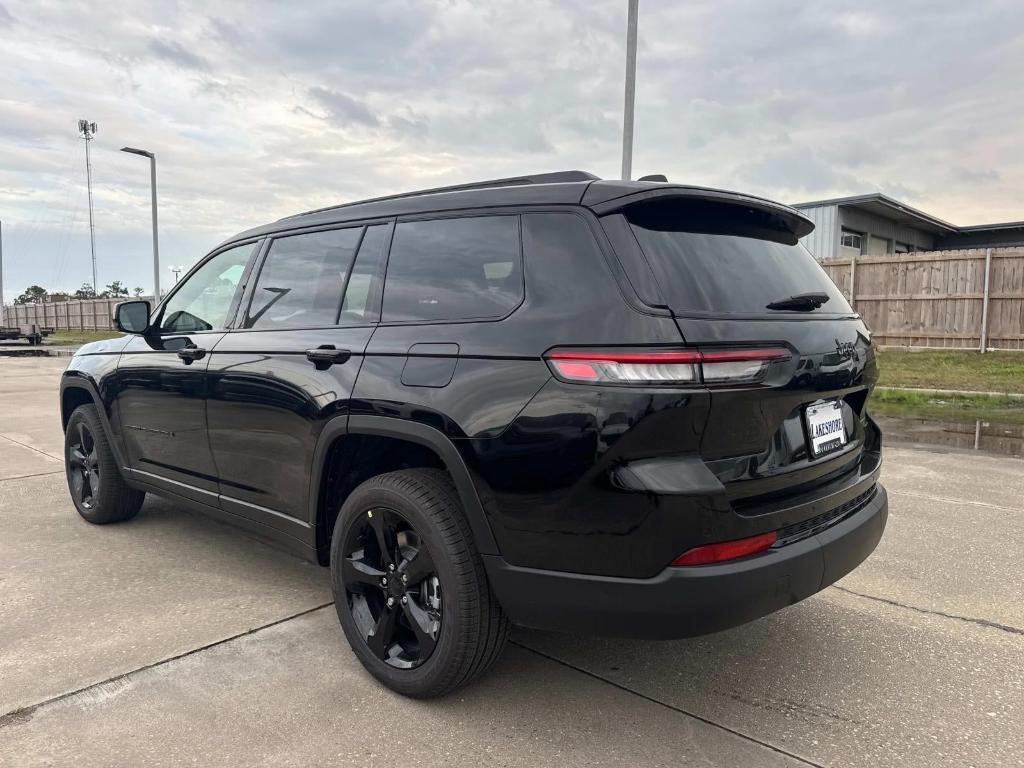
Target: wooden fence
pixel 969 299
pixel 87 314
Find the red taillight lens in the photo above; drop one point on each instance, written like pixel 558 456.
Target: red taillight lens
pixel 686 366
pixel 726 550
pixel 652 367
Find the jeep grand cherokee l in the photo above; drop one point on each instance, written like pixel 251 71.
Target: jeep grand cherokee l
pixel 626 408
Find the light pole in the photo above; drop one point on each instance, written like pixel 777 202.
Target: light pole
pixel 177 271
pixel 152 191
pixel 627 112
pixel 88 130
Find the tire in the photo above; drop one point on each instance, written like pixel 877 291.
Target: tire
pixel 99 492
pixel 470 629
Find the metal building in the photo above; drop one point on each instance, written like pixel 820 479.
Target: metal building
pixel 878 225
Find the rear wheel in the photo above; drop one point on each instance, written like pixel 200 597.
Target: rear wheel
pixel 409 586
pixel 97 488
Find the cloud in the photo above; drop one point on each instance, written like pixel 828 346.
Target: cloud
pixel 260 111
pixel 342 107
pixel 175 53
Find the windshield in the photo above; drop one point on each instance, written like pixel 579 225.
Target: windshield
pixel 717 258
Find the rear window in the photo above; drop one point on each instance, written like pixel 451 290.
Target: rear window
pixel 726 259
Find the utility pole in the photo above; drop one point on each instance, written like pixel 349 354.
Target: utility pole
pixel 627 113
pixel 152 192
pixel 87 131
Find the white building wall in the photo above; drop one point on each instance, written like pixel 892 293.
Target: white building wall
pixel 823 242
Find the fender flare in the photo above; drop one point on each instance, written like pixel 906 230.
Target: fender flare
pixel 413 432
pixel 86 384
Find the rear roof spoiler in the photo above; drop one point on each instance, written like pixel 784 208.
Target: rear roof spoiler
pixel 604 198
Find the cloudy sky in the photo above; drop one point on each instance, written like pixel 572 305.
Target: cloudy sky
pixel 258 110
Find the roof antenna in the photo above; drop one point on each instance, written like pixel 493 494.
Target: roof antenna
pixel 654 177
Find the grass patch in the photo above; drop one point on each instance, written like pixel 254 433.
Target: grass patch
pixel 953 408
pixel 67 338
pixel 991 372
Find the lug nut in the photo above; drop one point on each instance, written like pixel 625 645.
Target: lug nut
pixel 405 578
pixel 391 567
pixel 384 581
pixel 404 599
pixel 391 602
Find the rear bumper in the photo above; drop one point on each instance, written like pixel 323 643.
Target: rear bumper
pixel 681 602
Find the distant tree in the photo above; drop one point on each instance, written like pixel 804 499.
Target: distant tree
pixel 137 291
pixel 85 292
pixel 114 290
pixel 34 294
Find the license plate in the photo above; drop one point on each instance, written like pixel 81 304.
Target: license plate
pixel 825 427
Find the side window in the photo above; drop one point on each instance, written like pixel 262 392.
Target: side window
pixel 454 269
pixel 363 292
pixel 203 301
pixel 301 280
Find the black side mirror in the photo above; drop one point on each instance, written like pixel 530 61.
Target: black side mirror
pixel 132 317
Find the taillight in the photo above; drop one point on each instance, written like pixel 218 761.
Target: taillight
pixel 684 366
pixel 726 550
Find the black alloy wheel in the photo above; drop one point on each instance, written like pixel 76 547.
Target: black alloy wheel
pixel 83 466
pixel 392 587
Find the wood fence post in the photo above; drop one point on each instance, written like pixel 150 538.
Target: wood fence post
pixel 853 282
pixel 985 299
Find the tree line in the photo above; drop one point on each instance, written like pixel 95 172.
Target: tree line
pixel 36 294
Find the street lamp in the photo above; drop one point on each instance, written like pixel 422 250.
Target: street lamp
pixel 152 189
pixel 177 271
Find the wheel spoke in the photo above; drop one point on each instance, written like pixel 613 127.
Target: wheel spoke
pixel 417 567
pixel 383 525
pixel 87 489
pixel 423 626
pixel 358 571
pixel 77 457
pixel 383 635
pixel 81 436
pixel 78 483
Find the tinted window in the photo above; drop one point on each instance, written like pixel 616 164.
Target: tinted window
pixel 709 257
pixel 454 269
pixel 203 301
pixel 362 296
pixel 301 281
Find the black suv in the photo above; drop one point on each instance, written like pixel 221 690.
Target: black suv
pixel 624 408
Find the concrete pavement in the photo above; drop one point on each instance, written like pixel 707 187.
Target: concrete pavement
pixel 174 639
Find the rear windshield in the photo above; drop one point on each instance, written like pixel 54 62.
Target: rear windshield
pixel 717 258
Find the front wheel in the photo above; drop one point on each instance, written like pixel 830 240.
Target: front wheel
pixel 99 492
pixel 409 586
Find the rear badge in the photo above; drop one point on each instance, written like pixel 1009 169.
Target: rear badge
pixel 825 428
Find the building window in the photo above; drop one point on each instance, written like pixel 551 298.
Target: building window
pixel 851 240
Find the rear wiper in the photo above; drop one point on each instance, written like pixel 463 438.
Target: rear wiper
pixel 802 302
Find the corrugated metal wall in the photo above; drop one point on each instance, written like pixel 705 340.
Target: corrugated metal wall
pixel 861 221
pixel 823 242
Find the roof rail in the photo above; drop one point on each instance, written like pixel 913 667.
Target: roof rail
pixel 536 178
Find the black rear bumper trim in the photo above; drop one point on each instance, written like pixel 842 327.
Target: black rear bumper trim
pixel 682 602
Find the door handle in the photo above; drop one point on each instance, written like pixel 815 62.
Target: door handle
pixel 188 354
pixel 326 355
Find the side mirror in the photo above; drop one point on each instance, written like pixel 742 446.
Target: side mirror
pixel 132 317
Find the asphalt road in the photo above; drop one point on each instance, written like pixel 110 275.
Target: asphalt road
pixel 173 639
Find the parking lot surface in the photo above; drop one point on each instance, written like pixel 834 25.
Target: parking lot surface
pixel 173 639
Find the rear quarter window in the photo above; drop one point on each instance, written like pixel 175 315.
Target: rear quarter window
pixel 454 269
